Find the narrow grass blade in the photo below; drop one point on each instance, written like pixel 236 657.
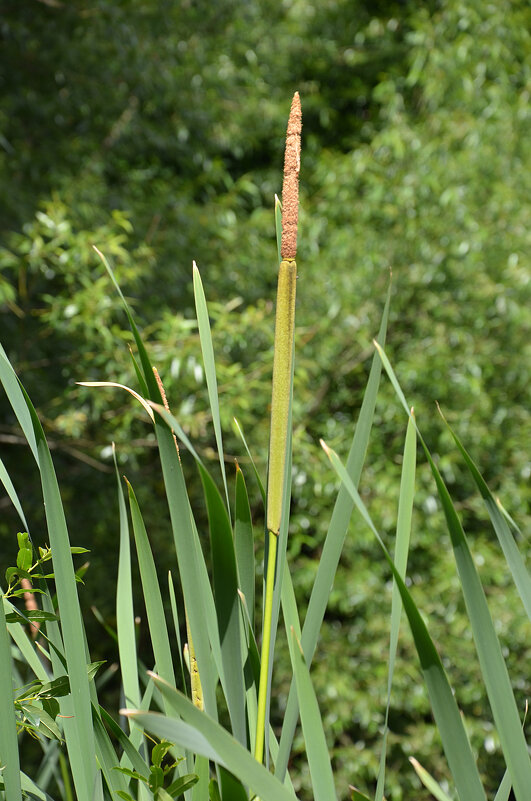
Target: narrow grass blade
pixel 175 426
pixel 133 754
pixel 150 383
pixel 403 533
pixel 225 580
pixel 244 542
pixel 429 782
pixel 312 727
pixel 32 789
pixel 15 394
pixel 205 336
pixel 447 716
pixel 107 759
pixel 9 759
pixel 152 597
pixel 12 494
pixel 357 795
pixel 504 790
pixel 514 559
pixel 125 615
pixel 335 538
pixel 188 550
pixel 194 578
pixel 176 625
pixel 259 481
pixel 493 668
pixel 143 402
pixel 201 769
pixel 78 730
pixel 224 749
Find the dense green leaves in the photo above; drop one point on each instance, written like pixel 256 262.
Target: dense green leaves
pixel 416 157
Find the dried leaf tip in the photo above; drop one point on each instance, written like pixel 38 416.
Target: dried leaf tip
pixel 290 186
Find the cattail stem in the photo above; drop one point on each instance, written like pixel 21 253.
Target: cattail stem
pixel 266 649
pixel 282 368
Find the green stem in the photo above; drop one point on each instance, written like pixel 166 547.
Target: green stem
pixel 266 646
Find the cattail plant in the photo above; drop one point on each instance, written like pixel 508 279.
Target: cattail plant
pixel 281 390
pixel 211 763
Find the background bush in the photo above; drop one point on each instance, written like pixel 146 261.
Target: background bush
pixel 155 130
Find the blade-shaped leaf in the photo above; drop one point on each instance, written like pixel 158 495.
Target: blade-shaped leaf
pixel 151 591
pixel 403 532
pixel 521 577
pixel 9 758
pixel 429 782
pixel 493 668
pixel 447 716
pixel 225 579
pixel 244 542
pixel 335 538
pixel 205 335
pixel 79 729
pixel 125 615
pixel 312 726
pixel 223 748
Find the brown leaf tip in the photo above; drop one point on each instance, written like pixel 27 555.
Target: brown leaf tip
pixel 290 186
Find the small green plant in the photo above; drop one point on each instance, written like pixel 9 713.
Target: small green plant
pixel 202 753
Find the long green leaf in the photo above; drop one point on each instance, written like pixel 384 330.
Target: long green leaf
pixel 225 579
pixel 196 589
pixel 516 564
pixel 244 542
pixel 9 759
pixel 205 336
pixel 12 494
pixel 152 597
pixel 335 538
pixel 107 758
pixel 15 394
pixel 125 615
pixel 403 533
pixel 445 710
pixel 239 431
pixel 429 782
pixel 312 727
pixel 223 748
pixel 78 729
pixel 493 668
pixel 176 625
pixel 191 563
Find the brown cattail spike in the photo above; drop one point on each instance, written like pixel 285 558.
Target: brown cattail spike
pixel 290 186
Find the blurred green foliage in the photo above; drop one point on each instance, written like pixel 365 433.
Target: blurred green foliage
pixel 154 130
